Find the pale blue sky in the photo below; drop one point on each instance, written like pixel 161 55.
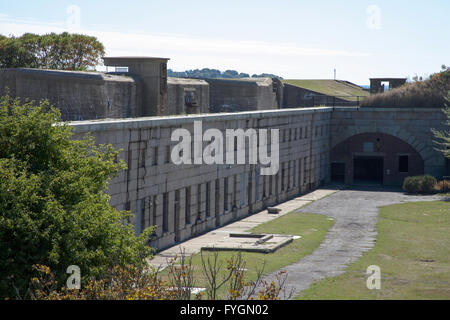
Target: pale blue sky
pixel 291 38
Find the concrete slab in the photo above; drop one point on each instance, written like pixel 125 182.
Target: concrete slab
pixel 250 243
pixel 194 245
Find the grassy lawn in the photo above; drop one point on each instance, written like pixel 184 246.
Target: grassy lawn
pixel 311 227
pixel 330 87
pixel 412 250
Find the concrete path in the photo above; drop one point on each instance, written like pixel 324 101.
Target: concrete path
pixel 194 245
pixel 355 213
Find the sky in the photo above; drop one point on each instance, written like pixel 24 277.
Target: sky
pixel 294 39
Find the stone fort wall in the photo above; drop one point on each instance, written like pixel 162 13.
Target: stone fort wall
pixel 95 95
pixel 187 200
pixel 236 95
pixel 78 95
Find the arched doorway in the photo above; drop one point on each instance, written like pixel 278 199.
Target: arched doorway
pixel 374 158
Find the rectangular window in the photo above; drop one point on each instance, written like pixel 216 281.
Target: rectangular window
pixel 299 173
pixel 403 163
pixel 140 217
pixel 143 154
pixel 188 206
pixel 305 170
pixel 155 156
pixel 257 184
pixel 199 202
pixel 270 184
pixel 294 175
pixel 217 198
pixel 176 210
pixel 242 190
pixel 154 211
pixel 165 212
pixel 249 188
pixel 168 154
pixel 289 175
pixel 208 195
pixel 234 190
pixel 264 187
pixel 225 196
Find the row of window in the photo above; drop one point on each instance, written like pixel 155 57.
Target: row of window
pixel 293 134
pixel 290 171
pixel 290 134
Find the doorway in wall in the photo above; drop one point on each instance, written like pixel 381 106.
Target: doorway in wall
pixel 368 170
pixel 338 172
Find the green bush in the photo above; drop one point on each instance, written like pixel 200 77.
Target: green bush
pixel 53 208
pixel 428 184
pixel 419 184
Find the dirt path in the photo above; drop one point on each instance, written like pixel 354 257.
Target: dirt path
pixel 355 213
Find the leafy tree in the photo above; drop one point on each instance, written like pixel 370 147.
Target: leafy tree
pixel 230 74
pixel 266 75
pixel 215 74
pixel 63 51
pixel 443 137
pixel 14 54
pixel 53 209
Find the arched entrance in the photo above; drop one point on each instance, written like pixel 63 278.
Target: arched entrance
pixel 374 158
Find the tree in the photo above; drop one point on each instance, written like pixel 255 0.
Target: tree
pixel 215 74
pixel 53 208
pixel 443 137
pixel 63 51
pixel 14 54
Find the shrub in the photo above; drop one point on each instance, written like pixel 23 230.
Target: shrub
pixel 428 183
pixel 419 184
pixel 53 208
pixel 132 283
pixel 429 93
pixel 442 186
pixel 411 184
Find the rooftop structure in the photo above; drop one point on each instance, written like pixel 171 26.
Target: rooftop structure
pixel 153 74
pixel 377 86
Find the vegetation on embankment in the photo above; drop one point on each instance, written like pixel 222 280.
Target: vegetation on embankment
pixel 428 93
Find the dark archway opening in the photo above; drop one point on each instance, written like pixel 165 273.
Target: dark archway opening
pixel 338 171
pixel 368 169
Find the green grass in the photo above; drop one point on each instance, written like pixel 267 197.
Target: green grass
pixel 312 228
pixel 331 88
pixel 412 250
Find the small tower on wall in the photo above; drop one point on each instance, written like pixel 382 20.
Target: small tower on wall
pixel 152 72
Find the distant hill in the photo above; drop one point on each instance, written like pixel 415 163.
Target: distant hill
pixel 215 74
